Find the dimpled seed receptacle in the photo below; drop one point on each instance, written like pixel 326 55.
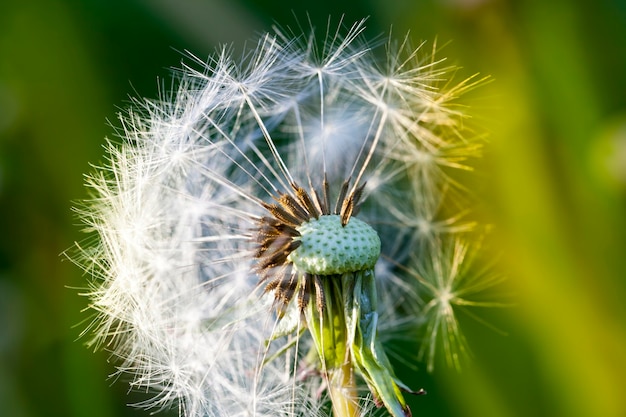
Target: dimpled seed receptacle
pixel 328 248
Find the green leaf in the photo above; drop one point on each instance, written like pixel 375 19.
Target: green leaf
pixel 368 354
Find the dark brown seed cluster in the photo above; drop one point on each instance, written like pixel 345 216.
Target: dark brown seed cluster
pixel 277 236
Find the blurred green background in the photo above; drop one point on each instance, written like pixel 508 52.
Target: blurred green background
pixel 554 183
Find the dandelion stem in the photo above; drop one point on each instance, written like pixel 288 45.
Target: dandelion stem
pixel 343 392
pixel 330 335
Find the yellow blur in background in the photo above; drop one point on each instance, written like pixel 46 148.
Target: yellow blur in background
pixel 552 182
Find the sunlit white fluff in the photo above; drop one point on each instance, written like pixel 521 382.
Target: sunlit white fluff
pixel 174 207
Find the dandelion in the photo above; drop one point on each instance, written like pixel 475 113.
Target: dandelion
pixel 258 226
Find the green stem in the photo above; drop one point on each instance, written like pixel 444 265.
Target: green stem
pixel 345 336
pixel 343 392
pixel 330 336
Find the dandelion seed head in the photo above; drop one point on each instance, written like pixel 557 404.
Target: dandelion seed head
pixel 232 198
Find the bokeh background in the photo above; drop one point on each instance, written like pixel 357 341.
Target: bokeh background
pixel 553 181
